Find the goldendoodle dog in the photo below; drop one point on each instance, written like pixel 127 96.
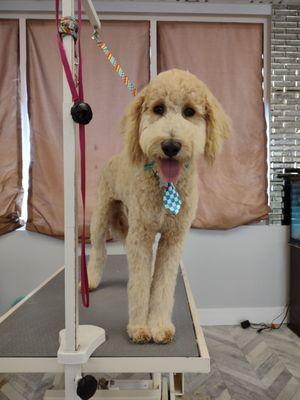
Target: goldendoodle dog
pixel 150 188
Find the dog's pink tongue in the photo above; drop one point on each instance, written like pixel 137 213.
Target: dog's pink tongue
pixel 169 169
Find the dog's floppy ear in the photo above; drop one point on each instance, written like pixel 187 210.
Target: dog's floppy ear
pixel 130 128
pixel 217 127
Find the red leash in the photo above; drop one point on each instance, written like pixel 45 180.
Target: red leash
pixel 82 114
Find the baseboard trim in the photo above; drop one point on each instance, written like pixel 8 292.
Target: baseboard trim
pixel 233 316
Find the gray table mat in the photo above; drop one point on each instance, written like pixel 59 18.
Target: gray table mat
pixel 32 330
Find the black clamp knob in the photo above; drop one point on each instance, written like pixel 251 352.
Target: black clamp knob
pixel 81 113
pixel 86 387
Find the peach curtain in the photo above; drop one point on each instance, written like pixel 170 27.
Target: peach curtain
pixel 228 58
pixel 11 192
pixel 104 91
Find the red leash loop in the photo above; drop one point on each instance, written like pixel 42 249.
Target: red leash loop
pixel 77 96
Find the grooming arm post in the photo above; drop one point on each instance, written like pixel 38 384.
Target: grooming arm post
pixel 70 212
pixel 70 195
pixel 92 14
pixel 77 343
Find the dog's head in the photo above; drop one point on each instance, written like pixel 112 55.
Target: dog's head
pixel 173 120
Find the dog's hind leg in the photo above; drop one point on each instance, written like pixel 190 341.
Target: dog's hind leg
pixel 118 221
pixel 99 228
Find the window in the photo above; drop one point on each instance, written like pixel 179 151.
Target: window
pixel 143 46
pixel 228 58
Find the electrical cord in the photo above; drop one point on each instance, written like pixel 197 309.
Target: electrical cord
pixel 262 326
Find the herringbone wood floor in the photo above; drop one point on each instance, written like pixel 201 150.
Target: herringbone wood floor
pixel 248 366
pixel 244 366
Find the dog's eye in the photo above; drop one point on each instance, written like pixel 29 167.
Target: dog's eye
pixel 159 109
pixel 188 111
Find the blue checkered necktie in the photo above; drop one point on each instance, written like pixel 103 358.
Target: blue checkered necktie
pixel 171 198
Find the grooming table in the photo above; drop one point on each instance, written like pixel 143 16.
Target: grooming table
pixel 29 331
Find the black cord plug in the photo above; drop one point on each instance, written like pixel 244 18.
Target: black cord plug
pixel 245 324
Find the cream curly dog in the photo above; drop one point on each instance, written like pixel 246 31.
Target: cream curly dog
pixel 172 121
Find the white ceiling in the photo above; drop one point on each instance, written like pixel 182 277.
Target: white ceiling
pixel 195 1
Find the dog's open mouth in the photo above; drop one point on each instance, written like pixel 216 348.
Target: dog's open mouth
pixel 169 169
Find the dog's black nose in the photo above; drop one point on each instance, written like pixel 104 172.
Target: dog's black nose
pixel 170 147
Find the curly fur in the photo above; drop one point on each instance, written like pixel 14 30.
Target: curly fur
pixel 129 199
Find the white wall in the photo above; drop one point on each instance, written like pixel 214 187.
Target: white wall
pixel 26 259
pixel 241 273
pixel 238 274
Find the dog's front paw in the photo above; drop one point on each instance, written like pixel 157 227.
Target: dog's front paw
pixel 162 333
pixel 139 333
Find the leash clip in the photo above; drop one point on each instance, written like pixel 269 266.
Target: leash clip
pixel 96 35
